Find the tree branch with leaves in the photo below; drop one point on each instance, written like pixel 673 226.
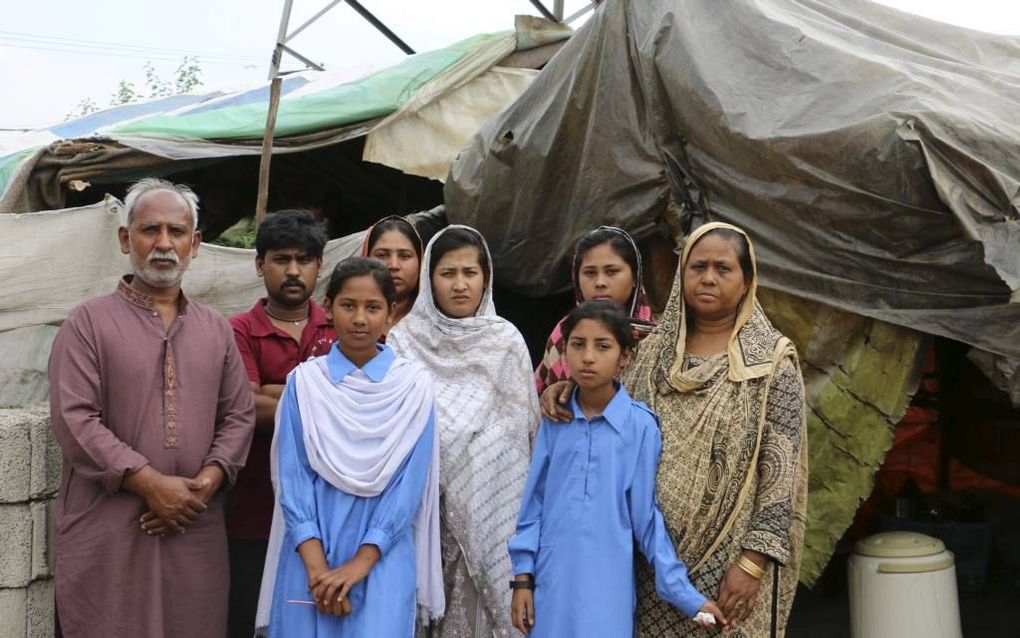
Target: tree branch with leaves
pixel 187 77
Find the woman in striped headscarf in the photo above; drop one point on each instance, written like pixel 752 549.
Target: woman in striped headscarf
pixel 607 265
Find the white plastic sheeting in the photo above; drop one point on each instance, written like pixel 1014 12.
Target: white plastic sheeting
pixel 424 140
pixel 26 352
pixel 51 261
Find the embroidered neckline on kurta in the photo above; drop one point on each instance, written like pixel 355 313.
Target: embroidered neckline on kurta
pixel 144 301
pixel 135 297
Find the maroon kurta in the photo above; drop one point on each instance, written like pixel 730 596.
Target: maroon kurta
pixel 125 392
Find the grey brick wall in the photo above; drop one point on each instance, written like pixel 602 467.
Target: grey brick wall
pixel 29 477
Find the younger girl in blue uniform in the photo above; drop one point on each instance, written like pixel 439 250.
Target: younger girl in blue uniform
pixel 354 548
pixel 590 497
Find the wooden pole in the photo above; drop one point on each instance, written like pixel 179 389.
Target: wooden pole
pixel 262 201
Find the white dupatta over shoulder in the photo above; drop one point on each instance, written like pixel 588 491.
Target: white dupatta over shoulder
pixel 486 412
pixel 356 435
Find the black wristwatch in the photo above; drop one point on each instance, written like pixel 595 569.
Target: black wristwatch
pixel 523 584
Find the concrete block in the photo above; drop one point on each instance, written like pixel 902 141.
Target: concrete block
pixel 15 545
pixel 46 455
pixel 15 457
pixel 42 539
pixel 13 612
pixel 39 610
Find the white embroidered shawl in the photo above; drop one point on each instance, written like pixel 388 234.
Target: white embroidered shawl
pixel 486 412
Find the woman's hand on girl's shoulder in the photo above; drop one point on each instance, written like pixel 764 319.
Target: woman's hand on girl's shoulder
pixel 554 400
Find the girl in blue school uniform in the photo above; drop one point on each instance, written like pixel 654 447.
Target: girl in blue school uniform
pixel 354 548
pixel 590 498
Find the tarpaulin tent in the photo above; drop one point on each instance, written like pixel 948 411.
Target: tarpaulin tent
pixel 389 133
pixel 413 116
pixel 871 155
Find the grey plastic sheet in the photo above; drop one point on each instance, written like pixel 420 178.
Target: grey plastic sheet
pixel 874 157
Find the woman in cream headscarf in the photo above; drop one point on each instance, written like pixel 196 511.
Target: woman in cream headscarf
pixel 732 480
pixel 486 409
pixel 394 242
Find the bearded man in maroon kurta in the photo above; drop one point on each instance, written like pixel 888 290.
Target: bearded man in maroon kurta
pixel 151 406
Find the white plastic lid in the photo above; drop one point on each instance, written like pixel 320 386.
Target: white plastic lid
pixel 899 545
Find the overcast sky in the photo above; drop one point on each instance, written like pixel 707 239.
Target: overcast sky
pixel 54 53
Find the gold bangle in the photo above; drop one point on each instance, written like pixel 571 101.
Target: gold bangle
pixel 760 571
pixel 750 568
pixel 747 571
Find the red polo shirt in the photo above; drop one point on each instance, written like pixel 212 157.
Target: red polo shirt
pixel 269 355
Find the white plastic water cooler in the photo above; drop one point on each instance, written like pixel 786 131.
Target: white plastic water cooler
pixel 903 585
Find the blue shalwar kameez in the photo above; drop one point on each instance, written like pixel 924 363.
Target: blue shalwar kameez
pixel 384 603
pixel 589 501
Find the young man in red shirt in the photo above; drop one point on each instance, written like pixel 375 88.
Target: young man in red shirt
pixel 283 329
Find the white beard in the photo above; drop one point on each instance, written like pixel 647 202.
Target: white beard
pixel 155 277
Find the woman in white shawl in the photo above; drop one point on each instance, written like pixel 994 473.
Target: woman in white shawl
pixel 486 410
